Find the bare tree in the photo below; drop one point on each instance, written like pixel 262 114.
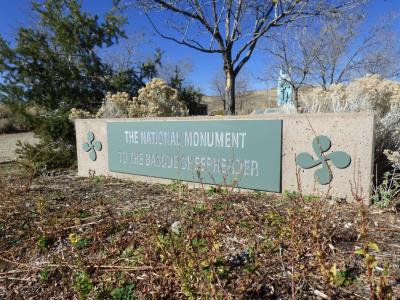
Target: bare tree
pixel 331 51
pixel 231 28
pixel 340 54
pixel 125 55
pixel 383 59
pixel 242 88
pixel 295 54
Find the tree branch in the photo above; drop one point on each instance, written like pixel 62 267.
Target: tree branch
pixel 182 42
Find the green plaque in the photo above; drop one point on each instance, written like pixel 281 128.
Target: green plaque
pixel 244 153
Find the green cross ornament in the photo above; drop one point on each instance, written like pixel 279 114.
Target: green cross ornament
pixel 321 144
pixel 92 146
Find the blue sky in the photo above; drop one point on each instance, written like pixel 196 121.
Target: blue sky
pixel 14 14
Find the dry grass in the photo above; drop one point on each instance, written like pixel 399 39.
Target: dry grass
pixel 64 237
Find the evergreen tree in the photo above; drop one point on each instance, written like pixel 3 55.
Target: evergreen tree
pixel 55 66
pixel 131 78
pixel 187 94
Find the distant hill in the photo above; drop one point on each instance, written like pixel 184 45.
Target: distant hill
pixel 244 105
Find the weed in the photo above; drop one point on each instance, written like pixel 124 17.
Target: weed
pixel 339 277
pixel 97 179
pixel 258 194
pixel 126 292
pixel 274 218
pixel 386 192
pixel 217 190
pixel 219 206
pixel 83 243
pixel 132 256
pixel 44 275
pixel 45 242
pixel 295 196
pixel 79 242
pixel 178 186
pixel 199 245
pixel 244 223
pixel 40 206
pixel 291 195
pixel 242 248
pixel 200 207
pixel 381 289
pixel 82 284
pixel 84 213
pixel 137 213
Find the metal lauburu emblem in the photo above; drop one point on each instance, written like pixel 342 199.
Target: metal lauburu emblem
pixel 92 146
pixel 321 144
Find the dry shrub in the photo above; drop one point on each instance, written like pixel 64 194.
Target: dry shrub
pixel 370 93
pixel 76 113
pixel 156 99
pixel 115 106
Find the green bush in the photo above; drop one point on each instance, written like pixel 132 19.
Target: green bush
pixel 6 125
pixel 83 285
pixel 126 292
pixel 5 112
pixel 56 149
pixel 45 156
pixel 385 193
pixel 55 67
pixel 9 121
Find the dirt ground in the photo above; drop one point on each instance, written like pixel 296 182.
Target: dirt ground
pixel 65 237
pixel 8 144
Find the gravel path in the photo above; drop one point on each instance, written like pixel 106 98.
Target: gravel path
pixel 8 144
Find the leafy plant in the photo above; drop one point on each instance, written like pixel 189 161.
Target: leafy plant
pixel 78 241
pixel 126 292
pixel 178 186
pixel 44 156
pixel 291 195
pixel 369 257
pixel 131 255
pixel 83 284
pixel 45 242
pixel 44 275
pixel 217 190
pixel 339 277
pixel 83 243
pixel 386 192
pixel 99 179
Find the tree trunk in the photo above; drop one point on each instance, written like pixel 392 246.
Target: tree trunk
pixel 230 107
pixel 296 98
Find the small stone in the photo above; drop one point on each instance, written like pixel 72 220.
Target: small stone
pixel 347 225
pixel 176 227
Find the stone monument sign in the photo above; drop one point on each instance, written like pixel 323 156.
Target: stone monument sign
pixel 317 153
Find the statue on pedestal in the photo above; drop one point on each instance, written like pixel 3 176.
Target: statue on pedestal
pixel 284 90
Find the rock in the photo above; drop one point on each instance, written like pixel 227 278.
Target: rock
pixel 176 227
